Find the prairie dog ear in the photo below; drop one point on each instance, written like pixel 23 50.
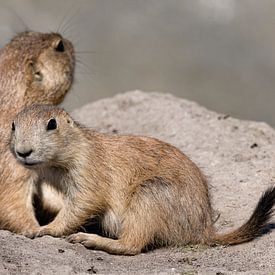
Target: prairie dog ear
pixel 34 71
pixel 71 122
pixel 30 65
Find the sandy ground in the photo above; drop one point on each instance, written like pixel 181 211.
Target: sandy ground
pixel 238 159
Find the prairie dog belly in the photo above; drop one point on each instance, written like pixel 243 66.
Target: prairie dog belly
pixel 52 199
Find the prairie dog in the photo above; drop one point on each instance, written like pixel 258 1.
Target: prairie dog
pixel 34 68
pixel 145 191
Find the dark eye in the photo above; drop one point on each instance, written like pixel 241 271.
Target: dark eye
pixel 60 47
pixel 13 126
pixel 51 124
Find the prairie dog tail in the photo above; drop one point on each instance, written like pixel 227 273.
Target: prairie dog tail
pixel 254 226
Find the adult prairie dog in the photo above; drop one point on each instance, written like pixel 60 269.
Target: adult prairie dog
pixel 145 191
pixel 34 68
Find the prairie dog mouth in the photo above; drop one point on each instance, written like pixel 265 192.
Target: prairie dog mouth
pixel 27 163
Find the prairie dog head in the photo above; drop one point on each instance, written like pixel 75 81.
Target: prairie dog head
pixel 43 135
pixel 44 62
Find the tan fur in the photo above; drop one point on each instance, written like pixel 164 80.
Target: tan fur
pixel 32 70
pixel 144 191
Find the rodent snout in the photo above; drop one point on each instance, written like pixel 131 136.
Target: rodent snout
pixel 24 154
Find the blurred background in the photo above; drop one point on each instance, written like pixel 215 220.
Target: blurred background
pixel 220 53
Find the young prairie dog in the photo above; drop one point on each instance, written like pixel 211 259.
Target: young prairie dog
pixel 145 191
pixel 34 68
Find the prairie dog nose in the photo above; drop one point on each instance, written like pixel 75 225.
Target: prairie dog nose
pixel 24 154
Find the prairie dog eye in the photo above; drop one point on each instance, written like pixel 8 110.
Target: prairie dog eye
pixel 52 125
pixel 13 126
pixel 60 46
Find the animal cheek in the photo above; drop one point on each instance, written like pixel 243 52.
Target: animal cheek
pixel 12 149
pixel 47 152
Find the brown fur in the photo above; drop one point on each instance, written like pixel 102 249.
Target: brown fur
pixel 145 191
pixel 34 68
